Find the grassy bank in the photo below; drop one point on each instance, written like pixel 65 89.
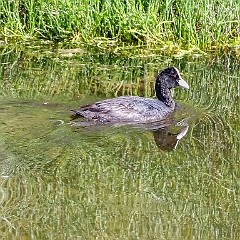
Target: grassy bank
pixel 178 23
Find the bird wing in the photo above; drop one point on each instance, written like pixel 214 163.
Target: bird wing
pixel 127 108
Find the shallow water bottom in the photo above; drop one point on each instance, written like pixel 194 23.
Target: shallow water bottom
pixel 177 179
pixel 61 181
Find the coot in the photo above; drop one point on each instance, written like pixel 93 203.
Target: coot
pixel 134 108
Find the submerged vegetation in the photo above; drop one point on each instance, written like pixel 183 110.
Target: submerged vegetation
pixel 168 24
pixel 62 182
pixel 47 72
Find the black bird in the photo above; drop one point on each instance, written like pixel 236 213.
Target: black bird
pixel 134 108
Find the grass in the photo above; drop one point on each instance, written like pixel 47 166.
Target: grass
pixel 203 24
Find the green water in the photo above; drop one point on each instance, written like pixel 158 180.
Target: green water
pixel 60 181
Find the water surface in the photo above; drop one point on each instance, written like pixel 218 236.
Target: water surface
pixel 60 181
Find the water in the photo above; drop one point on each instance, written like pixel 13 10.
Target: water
pixel 61 181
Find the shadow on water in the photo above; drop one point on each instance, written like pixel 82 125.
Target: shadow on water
pixel 167 132
pixel 60 181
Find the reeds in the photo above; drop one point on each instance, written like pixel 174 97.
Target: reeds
pixel 205 24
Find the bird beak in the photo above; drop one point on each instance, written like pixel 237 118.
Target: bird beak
pixel 183 84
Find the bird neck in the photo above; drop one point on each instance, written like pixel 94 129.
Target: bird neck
pixel 164 94
pixel 168 100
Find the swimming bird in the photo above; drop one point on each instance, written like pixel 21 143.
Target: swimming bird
pixel 137 109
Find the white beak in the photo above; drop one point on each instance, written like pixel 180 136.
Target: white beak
pixel 183 84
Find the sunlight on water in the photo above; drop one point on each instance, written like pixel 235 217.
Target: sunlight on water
pixel 175 179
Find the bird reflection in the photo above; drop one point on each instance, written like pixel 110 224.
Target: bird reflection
pixel 167 133
pixel 166 140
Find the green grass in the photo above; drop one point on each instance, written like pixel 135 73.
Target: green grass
pixel 185 24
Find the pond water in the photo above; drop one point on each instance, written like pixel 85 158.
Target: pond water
pixel 177 179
